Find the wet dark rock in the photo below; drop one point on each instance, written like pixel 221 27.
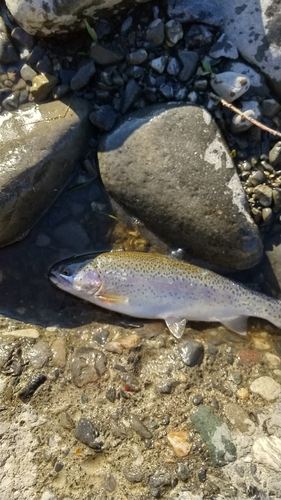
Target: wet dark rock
pixel 11 102
pixel 45 65
pixel 191 352
pixel 223 47
pixel 27 73
pixel 137 57
pixel 173 32
pixel 111 394
pixel 139 427
pixel 202 475
pixel 131 382
pixel 8 53
pixel 166 386
pixel 104 118
pixel 23 38
pixel 264 195
pixel 208 11
pixel 155 32
pixel 27 392
pixel 35 55
pixel 131 94
pixel 216 435
pixel 157 483
pixel 59 466
pixel 134 475
pixel 83 76
pixel 100 335
pixel 88 434
pixel 256 178
pixel 159 64
pixel 216 227
pixel 189 61
pixel 198 36
pixel 30 185
pixel 103 56
pixel 87 365
pixel 182 472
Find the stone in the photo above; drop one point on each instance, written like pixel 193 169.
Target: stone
pixel 207 12
pixel 179 442
pixel 266 387
pixel 31 182
pixel 258 86
pixel 139 427
pixel 264 195
pixel 103 56
pixel 166 386
pixel 191 352
pixel 137 57
pixel 30 333
pixel 159 64
pixel 27 73
pixel 157 483
pixel 87 365
pixel 155 32
pixel 103 118
pixel 22 38
pixel 255 31
pixel 266 451
pixel 223 47
pixel 8 53
pixel 240 124
pixel 238 417
pixel 42 85
pixel 270 107
pixel 189 61
pixel 131 94
pixel 87 434
pixel 173 66
pixel 83 76
pixel 109 483
pixel 215 434
pixel 182 472
pixel 229 85
pixel 173 32
pixel 59 352
pixel 39 354
pixel 275 155
pixel 134 475
pixel 182 185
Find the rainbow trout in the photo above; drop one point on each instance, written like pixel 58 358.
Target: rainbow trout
pixel 155 286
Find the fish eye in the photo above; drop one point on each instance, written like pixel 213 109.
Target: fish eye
pixel 65 271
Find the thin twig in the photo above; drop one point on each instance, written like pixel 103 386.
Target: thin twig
pixel 252 120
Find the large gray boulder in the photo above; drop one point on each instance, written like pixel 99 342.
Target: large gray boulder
pixel 42 18
pixel 40 147
pixel 169 166
pixel 254 27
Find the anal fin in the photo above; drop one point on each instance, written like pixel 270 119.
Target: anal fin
pixel 237 324
pixel 176 326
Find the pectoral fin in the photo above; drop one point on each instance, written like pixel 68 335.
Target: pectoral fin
pixel 112 299
pixel 237 324
pixel 176 326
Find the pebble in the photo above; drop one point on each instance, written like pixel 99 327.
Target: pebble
pixel 239 418
pixel 173 32
pixel 257 178
pixel 155 32
pixel 27 392
pixel 137 57
pixel 103 118
pixel 157 483
pixel 266 450
pixel 266 387
pixel 248 356
pixel 275 155
pixel 123 341
pixel 216 435
pixel 59 352
pixel 39 354
pixel 273 360
pixel 87 434
pixel 260 344
pixel 66 421
pixel 131 93
pixel 134 475
pixel 31 333
pixel 229 85
pixel 276 196
pixel 191 352
pixel 223 47
pixel 87 365
pixel 27 73
pixel 109 483
pixel 264 195
pixel 173 67
pixel 179 442
pixel 242 393
pixel 83 76
pixel 182 472
pixel 166 386
pixel 103 56
pixel 159 64
pixel 42 86
pixel 270 107
pixel 139 427
pixel 189 61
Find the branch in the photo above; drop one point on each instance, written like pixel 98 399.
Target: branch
pixel 252 120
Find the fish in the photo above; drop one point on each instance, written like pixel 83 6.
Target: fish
pixel 156 286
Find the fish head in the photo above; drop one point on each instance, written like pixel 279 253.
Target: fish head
pixel 76 277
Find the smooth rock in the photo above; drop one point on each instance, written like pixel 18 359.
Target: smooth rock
pixel 230 85
pixel 39 354
pixel 159 64
pixel 239 418
pixel 166 386
pixel 223 47
pixel 173 32
pixel 264 195
pixel 270 107
pixel 258 86
pixel 173 66
pixel 8 53
pixel 31 182
pixel 30 333
pixel 131 94
pixel 275 155
pixel 86 433
pixel 109 483
pixel 191 352
pixel 266 451
pixel 240 124
pixel 207 11
pixel 216 435
pixel 87 365
pixel 139 427
pixel 42 85
pixel 27 73
pixel 254 28
pixel 137 57
pixel 103 56
pixel 83 76
pixel 155 32
pixel 59 352
pixel 266 387
pixel 189 61
pixel 134 475
pixel 104 118
pixel 182 184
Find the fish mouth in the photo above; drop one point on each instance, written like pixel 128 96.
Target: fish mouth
pixel 53 278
